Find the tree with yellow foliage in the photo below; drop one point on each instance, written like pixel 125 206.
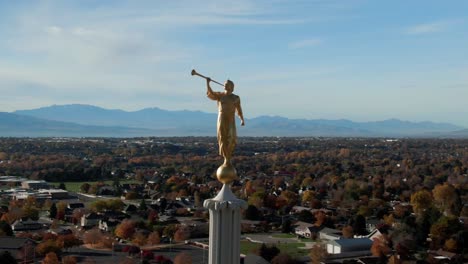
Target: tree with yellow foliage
pixel 421 200
pixel 445 198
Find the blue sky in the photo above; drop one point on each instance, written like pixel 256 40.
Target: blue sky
pixel 355 59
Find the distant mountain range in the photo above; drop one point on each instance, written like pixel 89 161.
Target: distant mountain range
pixel 91 121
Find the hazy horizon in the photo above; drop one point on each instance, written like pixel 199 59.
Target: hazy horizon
pixel 250 117
pixel 358 60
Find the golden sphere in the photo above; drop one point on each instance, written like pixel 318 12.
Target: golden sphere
pixel 226 173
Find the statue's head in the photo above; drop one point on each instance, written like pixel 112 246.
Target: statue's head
pixel 229 86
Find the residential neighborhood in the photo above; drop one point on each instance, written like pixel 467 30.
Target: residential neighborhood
pixel 315 203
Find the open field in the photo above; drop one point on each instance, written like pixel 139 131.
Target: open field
pixel 75 186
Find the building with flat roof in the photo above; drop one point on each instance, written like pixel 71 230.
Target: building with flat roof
pixel 11 180
pixel 56 194
pixel 348 245
pixel 35 185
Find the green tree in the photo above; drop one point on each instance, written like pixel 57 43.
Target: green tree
pixel 443 229
pixel 286 226
pixel 252 213
pixel 359 225
pixel 267 252
pixel 84 188
pixel 5 229
pixel 7 258
pixel 53 211
pixel 306 216
pixel 143 206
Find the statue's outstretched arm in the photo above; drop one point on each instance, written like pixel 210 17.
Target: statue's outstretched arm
pixel 209 92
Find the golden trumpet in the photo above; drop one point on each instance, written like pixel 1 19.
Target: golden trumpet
pixel 196 73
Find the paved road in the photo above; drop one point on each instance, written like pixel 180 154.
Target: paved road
pixel 199 256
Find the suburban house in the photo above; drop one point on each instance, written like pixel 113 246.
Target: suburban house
pixel 330 234
pixel 108 225
pixel 130 209
pixel 90 220
pixel 307 230
pixel 74 206
pixel 350 246
pixel 375 233
pixel 22 249
pixel 27 225
pixel 250 226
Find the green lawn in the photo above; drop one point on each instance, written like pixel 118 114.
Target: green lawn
pixel 292 249
pixel 75 186
pixel 284 236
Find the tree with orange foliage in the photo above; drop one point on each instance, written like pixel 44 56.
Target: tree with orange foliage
pixel 68 241
pixel 139 239
pixel 278 181
pixel 13 214
pixel 248 189
pixel 291 198
pixel 394 259
pixel 320 217
pixel 48 246
pixel 69 260
pixel 380 247
pixel 283 258
pixel 153 239
pixel 153 217
pixel 348 231
pixel 126 229
pixel 92 236
pixel 451 245
pixel 182 234
pixel 183 258
pixel 318 253
pixel 50 258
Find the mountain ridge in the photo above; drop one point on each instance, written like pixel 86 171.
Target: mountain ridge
pixel 192 123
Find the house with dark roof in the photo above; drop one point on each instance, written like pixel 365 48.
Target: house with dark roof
pixel 115 215
pixel 130 209
pixel 307 230
pixel 90 220
pixel 22 249
pixel 74 206
pixel 26 225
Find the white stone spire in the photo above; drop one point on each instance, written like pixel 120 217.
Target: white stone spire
pixel 224 227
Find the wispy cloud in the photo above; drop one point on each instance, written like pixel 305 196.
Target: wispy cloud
pixel 432 27
pixel 305 43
